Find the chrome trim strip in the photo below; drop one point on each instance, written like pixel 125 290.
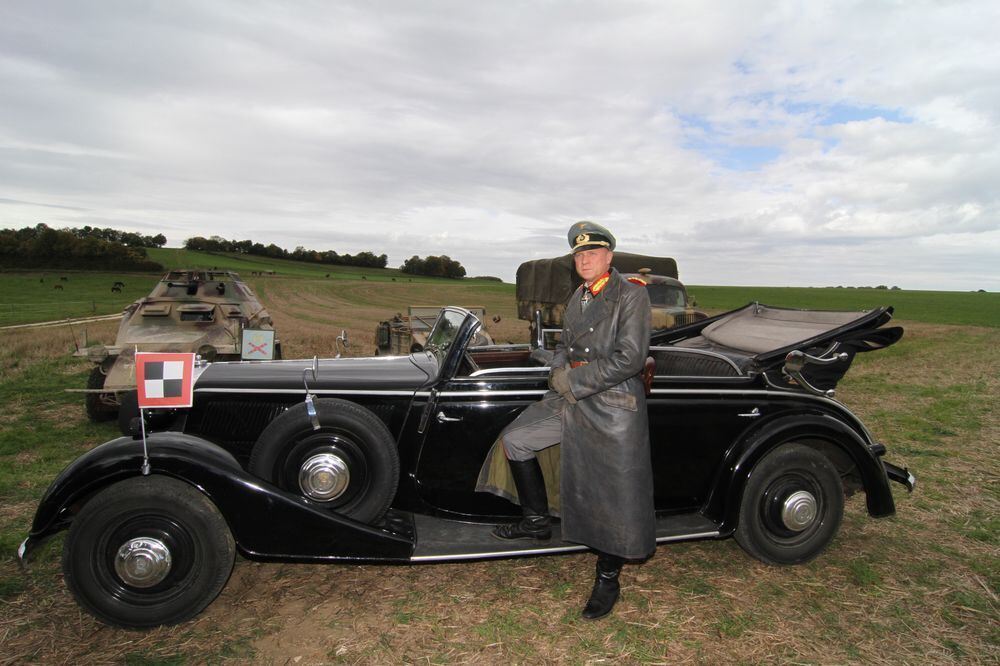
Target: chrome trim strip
pixel 496 554
pixel 685 537
pixel 302 392
pixel 459 394
pixel 546 551
pixel 702 352
pixel 496 371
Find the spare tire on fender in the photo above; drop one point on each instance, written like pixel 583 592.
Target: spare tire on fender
pixel 350 465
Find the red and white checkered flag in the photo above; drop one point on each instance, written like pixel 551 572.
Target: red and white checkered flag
pixel 164 380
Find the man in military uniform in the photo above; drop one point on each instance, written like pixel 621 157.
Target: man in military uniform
pixel 597 411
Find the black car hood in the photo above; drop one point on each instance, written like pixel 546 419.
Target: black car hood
pixel 375 373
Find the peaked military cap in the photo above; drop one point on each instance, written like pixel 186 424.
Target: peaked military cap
pixel 587 235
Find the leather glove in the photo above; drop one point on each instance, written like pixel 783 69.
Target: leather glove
pixel 559 382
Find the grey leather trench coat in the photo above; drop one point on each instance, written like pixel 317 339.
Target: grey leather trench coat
pixel 606 476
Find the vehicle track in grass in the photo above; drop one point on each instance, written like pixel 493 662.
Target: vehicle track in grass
pixel 62 322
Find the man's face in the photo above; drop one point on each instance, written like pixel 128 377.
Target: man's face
pixel 592 264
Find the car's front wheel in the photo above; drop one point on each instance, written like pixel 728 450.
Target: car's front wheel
pixel 349 465
pixel 147 551
pixel 792 506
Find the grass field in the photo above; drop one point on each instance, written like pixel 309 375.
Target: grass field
pixel 32 296
pixel 27 297
pixel 920 587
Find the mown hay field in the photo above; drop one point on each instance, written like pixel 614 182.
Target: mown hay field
pixel 920 587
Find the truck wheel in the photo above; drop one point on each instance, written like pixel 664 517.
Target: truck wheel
pixel 100 406
pixel 350 465
pixel 791 507
pixel 147 551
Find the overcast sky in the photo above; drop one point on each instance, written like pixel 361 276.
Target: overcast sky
pixel 758 143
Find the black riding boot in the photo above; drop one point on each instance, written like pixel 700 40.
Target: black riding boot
pixel 606 587
pixel 530 483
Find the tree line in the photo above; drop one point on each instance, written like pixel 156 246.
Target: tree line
pixel 34 247
pixel 443 266
pixel 95 247
pixel 219 244
pixel 129 238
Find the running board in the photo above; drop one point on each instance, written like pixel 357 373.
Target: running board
pixel 441 540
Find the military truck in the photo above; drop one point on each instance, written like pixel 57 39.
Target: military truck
pixel 211 313
pixel 404 334
pixel 545 285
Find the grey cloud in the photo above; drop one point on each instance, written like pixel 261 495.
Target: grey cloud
pixel 483 130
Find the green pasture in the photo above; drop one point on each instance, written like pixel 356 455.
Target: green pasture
pixel 246 264
pixel 49 295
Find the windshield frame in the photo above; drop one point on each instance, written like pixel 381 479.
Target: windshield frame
pixel 451 329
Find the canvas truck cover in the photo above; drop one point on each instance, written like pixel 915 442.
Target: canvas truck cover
pixel 546 284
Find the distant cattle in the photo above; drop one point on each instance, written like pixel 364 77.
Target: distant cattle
pixel 116 289
pixel 57 286
pixel 364 277
pixel 64 279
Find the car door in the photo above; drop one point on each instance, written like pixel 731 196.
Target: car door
pixel 466 416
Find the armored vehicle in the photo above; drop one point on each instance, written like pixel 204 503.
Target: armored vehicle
pixel 211 313
pixel 403 335
pixel 545 285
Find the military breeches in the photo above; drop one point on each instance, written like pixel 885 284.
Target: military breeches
pixel 538 427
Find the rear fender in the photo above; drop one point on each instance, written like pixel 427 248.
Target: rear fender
pixel 829 435
pixel 267 522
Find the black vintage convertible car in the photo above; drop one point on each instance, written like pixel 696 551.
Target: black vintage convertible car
pixel 377 459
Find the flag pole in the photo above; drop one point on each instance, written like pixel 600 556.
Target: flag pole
pixel 145 450
pixel 142 425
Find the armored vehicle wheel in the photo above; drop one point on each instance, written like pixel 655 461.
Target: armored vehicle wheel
pixel 147 551
pixel 350 465
pixel 791 507
pixel 128 411
pixel 99 406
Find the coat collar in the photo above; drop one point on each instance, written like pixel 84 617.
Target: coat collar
pixel 576 321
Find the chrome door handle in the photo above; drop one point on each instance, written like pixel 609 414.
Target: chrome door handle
pixel 442 418
pixel 752 414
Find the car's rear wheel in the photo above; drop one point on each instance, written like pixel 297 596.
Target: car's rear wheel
pixel 100 406
pixel 147 551
pixel 792 506
pixel 350 465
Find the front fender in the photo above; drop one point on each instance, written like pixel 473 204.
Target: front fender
pixel 267 522
pixel 821 430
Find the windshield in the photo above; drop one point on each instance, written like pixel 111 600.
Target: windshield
pixel 665 296
pixel 444 332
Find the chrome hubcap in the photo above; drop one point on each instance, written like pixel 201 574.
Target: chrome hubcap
pixel 798 511
pixel 143 562
pixel 324 477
